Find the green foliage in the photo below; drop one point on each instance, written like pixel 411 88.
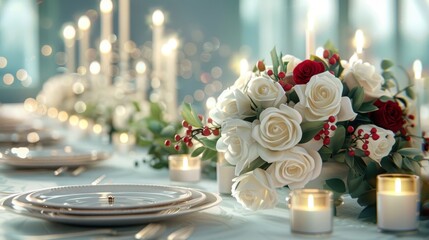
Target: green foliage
pixel 275 61
pixel 386 64
pixel 190 116
pixel 357 96
pixel 337 140
pixel 310 129
pixel 336 185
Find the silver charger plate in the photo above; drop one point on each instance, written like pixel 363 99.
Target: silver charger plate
pixel 108 196
pixel 111 220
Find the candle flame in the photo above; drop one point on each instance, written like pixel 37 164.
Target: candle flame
pixel 417 68
pixel 94 67
pixel 244 66
pixel 141 67
pixel 84 23
pixel 311 201
pixel 123 138
pixel 69 32
pixel 106 6
pixel 105 46
pixel 398 185
pixel 185 163
pixel 360 41
pixel 157 18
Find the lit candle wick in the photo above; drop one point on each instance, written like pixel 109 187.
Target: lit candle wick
pixel 185 163
pixel 311 201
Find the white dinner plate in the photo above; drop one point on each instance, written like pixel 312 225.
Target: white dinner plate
pixel 110 196
pixel 196 198
pixel 30 137
pixel 111 220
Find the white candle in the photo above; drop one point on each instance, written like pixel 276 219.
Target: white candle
pixel 157 41
pixel 309 36
pixel 169 82
pixel 69 34
pixel 106 8
pixel 397 202
pixel 123 141
pixel 360 42
pixel 224 174
pixel 244 67
pixel 141 80
pixel 184 168
pixel 124 36
pixel 419 89
pixel 311 211
pixel 84 24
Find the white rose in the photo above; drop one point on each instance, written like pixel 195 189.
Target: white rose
pixel 364 75
pixel 265 92
pixel 237 143
pixel 242 80
pixel 278 128
pixel 254 190
pixel 321 98
pixel 231 103
pixel 294 167
pixel 292 62
pixel 377 148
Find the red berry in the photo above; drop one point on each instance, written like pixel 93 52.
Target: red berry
pixel 360 131
pixel 332 61
pixel 408 138
pixel 351 153
pixel 210 120
pixel 189 132
pixel 177 137
pixel 281 75
pixel 167 143
pixel 270 72
pixel 261 66
pixel 333 127
pixel 373 130
pixel 375 136
pixel 189 144
pixel 326 141
pixel 186 139
pixel 216 132
pixel 326 126
pixel 185 123
pixel 206 131
pixel 411 116
pixel 412 125
pixel 367 153
pixel 365 146
pixel 336 57
pixel 317 137
pixel 350 129
pixel 190 127
pixel 287 87
pixel 331 119
pixel 326 132
pixel 366 136
pixel 200 117
pixel 366 142
pixel 403 131
pixel 177 147
pixel 326 54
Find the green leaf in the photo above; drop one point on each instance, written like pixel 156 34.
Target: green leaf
pixel 310 129
pixel 386 64
pixel 155 126
pixel 357 95
pixel 209 142
pixel 397 159
pixel 367 198
pixel 198 151
pixel 208 154
pixel 329 45
pixel 253 165
pixel 387 75
pixel 168 131
pixel 275 60
pixel 390 84
pixel 388 165
pixel 156 111
pixel 369 213
pixel 372 170
pixel 282 66
pixel 409 151
pixel 325 153
pixel 136 106
pixel 341 157
pixel 190 116
pixel 410 92
pixel 336 185
pixel 367 107
pixel 385 98
pixel 337 140
pixel 293 97
pixel 318 59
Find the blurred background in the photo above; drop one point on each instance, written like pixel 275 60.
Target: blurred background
pixel 213 38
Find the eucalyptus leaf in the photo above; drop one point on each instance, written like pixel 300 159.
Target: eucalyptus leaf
pixel 337 139
pixel 410 92
pixel 208 154
pixel 198 151
pixel 310 129
pixel 156 111
pixel 275 60
pixel 209 142
pixel 168 131
pixel 385 98
pixel 358 95
pixel 336 185
pixel 397 159
pixel 386 64
pixel 341 157
pixel 388 165
pixel 155 126
pixel 387 75
pixel 367 198
pixel 292 96
pixel 409 151
pixel 369 213
pixel 253 165
pixel 367 107
pixel 190 116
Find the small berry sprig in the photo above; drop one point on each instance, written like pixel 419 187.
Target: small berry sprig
pixel 362 136
pixel 407 122
pixel 333 60
pixel 326 130
pixel 280 77
pixel 425 142
pixel 192 133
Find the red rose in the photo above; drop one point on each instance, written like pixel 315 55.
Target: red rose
pixel 388 116
pixel 305 70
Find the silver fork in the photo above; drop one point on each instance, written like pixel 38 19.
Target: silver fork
pixel 182 233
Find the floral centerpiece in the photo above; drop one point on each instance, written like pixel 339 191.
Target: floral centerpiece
pixel 289 123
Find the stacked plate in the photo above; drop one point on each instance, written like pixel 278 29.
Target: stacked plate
pixel 51 157
pixel 110 205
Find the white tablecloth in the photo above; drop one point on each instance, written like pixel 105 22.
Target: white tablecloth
pixel 226 221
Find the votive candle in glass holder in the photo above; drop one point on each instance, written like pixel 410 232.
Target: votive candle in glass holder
pixel 398 199
pixel 311 211
pixel 123 141
pixel 184 168
pixel 225 172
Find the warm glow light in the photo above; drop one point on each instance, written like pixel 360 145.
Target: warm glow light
pixel 30 104
pixel 210 103
pixel 310 21
pixel 359 40
pixel 311 201
pixel 123 138
pixel 3 62
pixel 185 163
pixel 63 116
pixel 157 18
pixel 33 137
pixel 94 68
pixel 106 6
pixel 168 47
pixel 398 187
pixel 74 120
pixel 8 79
pixel 244 66
pixel 46 50
pixel 84 23
pixel 141 67
pixel 105 46
pixel 417 68
pixel 69 32
pixel 21 74
pixel 319 52
pixel 97 128
pixel 83 124
pixel 52 112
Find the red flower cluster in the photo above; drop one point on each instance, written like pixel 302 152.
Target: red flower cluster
pixel 305 70
pixel 388 116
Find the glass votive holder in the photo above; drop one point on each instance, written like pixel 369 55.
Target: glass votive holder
pixel 225 172
pixel 184 168
pixel 398 200
pixel 123 141
pixel 311 211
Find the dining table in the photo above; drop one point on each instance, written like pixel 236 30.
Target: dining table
pixel 227 220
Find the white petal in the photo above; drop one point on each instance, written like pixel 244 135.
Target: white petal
pixel 346 111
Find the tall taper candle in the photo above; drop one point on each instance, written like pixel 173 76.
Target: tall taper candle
pixel 106 8
pixel 84 24
pixel 169 82
pixel 69 34
pixel 141 80
pixel 124 37
pixel 309 36
pixel 157 41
